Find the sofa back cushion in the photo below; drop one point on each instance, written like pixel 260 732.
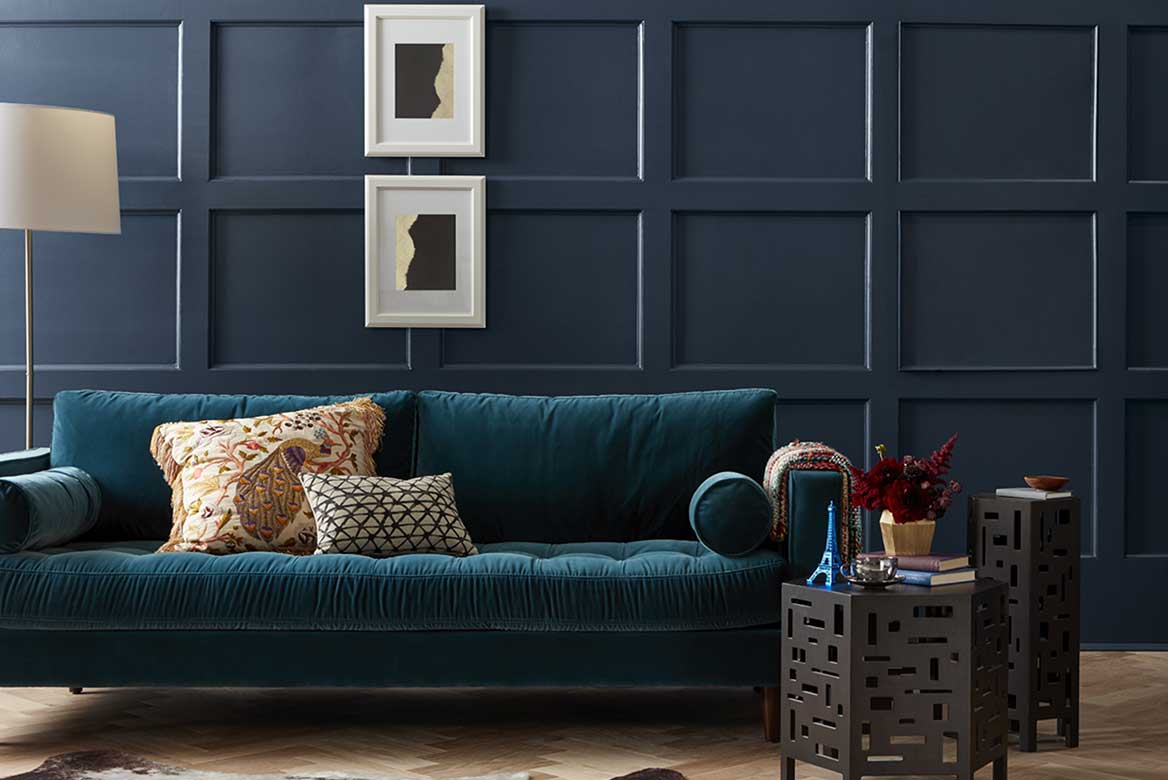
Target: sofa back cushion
pixel 108 435
pixel 610 468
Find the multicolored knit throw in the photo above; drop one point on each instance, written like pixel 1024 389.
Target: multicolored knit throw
pixel 813 456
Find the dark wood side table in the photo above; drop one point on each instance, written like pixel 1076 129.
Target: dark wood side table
pixel 1033 546
pixel 903 681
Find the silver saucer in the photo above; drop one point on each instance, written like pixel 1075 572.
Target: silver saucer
pixel 873 584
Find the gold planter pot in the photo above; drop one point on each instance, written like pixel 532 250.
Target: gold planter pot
pixel 906 538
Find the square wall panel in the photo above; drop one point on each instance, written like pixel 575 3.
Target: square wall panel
pixel 98 300
pixel 784 101
pixel 12 424
pixel 997 290
pixel 770 289
pixel 562 290
pixel 839 424
pixel 564 100
pixel 998 443
pixel 126 69
pixel 1147 110
pixel 313 127
pixel 1147 279
pixel 997 102
pixel 1146 430
pixel 288 289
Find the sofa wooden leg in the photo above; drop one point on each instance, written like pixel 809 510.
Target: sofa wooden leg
pixel 770 714
pixel 75 691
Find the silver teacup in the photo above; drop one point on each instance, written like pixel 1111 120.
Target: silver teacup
pixel 873 568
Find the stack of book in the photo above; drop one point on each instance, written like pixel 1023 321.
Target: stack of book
pixel 1033 494
pixel 930 570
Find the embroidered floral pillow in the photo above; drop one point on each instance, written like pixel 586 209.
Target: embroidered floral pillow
pixel 235 484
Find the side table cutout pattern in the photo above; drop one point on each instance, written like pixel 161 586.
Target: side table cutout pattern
pixel 911 682
pixel 1033 546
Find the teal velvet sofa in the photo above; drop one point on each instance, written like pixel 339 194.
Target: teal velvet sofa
pixel 589 572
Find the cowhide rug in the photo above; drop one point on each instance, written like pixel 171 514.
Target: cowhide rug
pixel 114 765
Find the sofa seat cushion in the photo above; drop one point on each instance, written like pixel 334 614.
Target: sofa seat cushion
pixel 656 585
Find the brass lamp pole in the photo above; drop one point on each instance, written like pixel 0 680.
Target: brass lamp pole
pixel 27 339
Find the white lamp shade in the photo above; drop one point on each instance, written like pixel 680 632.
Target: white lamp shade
pixel 58 170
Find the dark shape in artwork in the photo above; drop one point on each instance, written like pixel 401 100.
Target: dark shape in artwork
pixel 416 66
pixel 432 267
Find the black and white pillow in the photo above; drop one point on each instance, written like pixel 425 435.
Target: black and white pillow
pixel 382 516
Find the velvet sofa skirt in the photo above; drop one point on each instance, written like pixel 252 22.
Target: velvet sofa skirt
pixel 738 657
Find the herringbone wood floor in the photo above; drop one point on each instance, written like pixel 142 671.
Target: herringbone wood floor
pixel 567 734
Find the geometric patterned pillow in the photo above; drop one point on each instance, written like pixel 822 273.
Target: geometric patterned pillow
pixel 236 484
pixel 383 516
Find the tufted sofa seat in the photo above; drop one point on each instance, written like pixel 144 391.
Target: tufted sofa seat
pixel 653 585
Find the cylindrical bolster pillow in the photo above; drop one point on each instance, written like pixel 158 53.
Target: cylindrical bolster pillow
pixel 46 508
pixel 730 513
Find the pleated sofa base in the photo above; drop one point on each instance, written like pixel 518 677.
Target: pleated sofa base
pixel 108 659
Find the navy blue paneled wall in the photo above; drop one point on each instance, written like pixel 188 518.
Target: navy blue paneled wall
pixel 909 218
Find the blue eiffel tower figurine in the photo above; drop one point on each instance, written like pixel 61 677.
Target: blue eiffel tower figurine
pixel 829 566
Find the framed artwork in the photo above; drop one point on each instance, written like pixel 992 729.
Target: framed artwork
pixel 425 255
pixel 424 80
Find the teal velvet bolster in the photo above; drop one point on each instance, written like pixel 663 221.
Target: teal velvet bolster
pixel 24 461
pixel 613 468
pixel 809 494
pixel 108 435
pixel 659 585
pixel 46 508
pixel 730 513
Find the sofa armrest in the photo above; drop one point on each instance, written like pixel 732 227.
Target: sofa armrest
pixel 46 508
pixel 809 492
pixel 23 461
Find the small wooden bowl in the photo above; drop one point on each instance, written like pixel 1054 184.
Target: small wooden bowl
pixel 1047 482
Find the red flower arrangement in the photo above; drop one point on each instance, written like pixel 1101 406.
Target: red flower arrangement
pixel 911 489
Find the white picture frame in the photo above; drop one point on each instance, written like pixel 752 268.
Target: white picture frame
pixel 390 27
pixel 390 203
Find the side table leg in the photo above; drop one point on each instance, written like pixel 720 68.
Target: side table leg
pixel 1072 728
pixel 1000 768
pixel 771 729
pixel 1028 736
pixel 788 771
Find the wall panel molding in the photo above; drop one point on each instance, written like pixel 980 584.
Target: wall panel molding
pixel 130 327
pixel 105 66
pixel 583 313
pixel 776 271
pixel 1041 79
pixel 777 125
pixel 271 306
pixel 1146 424
pixel 304 132
pixel 1027 283
pixel 580 82
pixel 684 195
pixel 1147 117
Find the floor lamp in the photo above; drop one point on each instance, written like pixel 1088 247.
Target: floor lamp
pixel 58 172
